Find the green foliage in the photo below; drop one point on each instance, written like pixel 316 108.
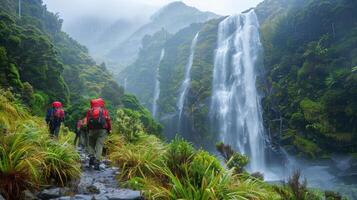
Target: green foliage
pixel 179 153
pixel 139 159
pixel 19 165
pixel 127 123
pixel 306 147
pixel 175 170
pixel 61 163
pixel 28 157
pixel 203 165
pixel 33 49
pixel 238 162
pixel 149 123
pixel 234 160
pixel 309 58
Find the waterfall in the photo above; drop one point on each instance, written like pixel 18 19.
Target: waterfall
pixel 157 85
pixel 235 104
pixel 187 80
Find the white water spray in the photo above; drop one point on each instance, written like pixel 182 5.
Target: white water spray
pixel 235 104
pixel 157 86
pixel 187 80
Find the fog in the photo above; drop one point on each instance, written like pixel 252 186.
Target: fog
pixel 111 10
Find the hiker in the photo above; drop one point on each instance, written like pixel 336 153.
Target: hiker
pixel 54 118
pixel 81 133
pixel 83 136
pixel 78 132
pixel 99 126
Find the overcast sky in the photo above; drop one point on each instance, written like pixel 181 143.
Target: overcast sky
pixel 114 9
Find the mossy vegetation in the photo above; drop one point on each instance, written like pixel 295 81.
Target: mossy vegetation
pixel 29 158
pixel 309 58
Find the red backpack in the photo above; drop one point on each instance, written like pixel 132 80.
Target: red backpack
pixel 57 112
pixel 97 116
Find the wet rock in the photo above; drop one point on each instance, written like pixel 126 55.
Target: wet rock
pixel 50 194
pixel 63 198
pixel 125 195
pixel 100 187
pixel 92 190
pixel 100 197
pixel 83 197
pixel 2 198
pixel 28 195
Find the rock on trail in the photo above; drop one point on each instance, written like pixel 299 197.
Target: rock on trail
pixel 93 185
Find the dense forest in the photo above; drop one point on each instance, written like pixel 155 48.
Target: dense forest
pixel 167 140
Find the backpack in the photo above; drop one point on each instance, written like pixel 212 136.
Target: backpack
pixel 97 120
pixel 57 114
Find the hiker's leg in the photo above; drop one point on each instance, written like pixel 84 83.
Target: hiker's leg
pixel 52 130
pixel 102 135
pixel 82 141
pixel 92 139
pixel 86 140
pixel 56 131
pixel 76 139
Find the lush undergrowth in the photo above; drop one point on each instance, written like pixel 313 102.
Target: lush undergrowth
pixel 29 159
pixel 177 170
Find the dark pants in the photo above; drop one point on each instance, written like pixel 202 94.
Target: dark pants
pixel 54 130
pixel 78 134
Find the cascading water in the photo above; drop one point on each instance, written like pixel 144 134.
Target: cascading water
pixel 186 82
pixel 157 85
pixel 235 104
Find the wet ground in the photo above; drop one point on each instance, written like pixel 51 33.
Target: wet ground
pixel 93 185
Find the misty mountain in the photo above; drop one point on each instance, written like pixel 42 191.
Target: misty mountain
pixel 171 17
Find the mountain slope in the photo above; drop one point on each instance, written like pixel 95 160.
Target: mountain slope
pixel 310 53
pixel 172 18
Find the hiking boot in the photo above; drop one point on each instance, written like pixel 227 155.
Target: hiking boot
pixel 91 160
pixel 96 165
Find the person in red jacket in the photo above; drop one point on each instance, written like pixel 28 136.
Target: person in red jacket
pixel 99 126
pixel 54 118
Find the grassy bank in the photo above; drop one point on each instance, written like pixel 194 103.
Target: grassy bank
pixel 29 159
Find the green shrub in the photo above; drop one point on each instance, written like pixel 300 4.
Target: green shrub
pixel 61 163
pixel 179 153
pixel 233 159
pixel 20 163
pixel 238 162
pixel 139 159
pixel 203 165
pixel 127 123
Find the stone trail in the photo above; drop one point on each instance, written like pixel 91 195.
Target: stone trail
pixel 93 185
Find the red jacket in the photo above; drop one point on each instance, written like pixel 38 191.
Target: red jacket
pixel 108 124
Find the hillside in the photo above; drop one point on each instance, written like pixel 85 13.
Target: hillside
pixel 40 63
pixel 172 18
pixel 310 56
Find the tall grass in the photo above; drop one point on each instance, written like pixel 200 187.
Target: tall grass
pixel 28 157
pixel 19 165
pixel 139 159
pixel 178 171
